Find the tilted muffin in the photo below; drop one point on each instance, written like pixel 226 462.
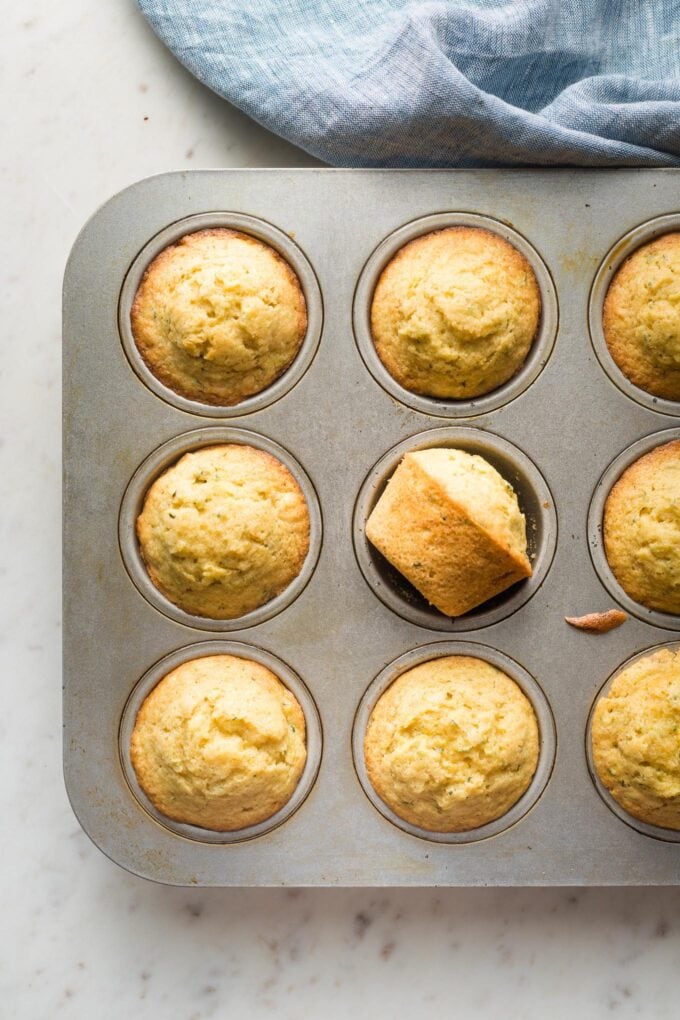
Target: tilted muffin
pixel 641 317
pixel 455 313
pixel 452 744
pixel 223 530
pixel 636 738
pixel 218 316
pixel 219 743
pixel 642 529
pixel 452 525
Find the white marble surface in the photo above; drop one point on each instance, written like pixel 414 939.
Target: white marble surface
pixel 94 103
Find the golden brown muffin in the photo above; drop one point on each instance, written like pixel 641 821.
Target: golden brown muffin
pixel 641 317
pixel 452 744
pixel 455 313
pixel 642 529
pixel 220 743
pixel 451 524
pixel 218 316
pixel 224 530
pixel 636 739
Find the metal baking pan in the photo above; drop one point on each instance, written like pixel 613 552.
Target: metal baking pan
pixel 561 431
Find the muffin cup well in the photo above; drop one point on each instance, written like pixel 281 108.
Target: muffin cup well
pixel 290 679
pixel 523 679
pixel 540 350
pixel 535 500
pixel 154 465
pixel 655 831
pixel 668 621
pixel 288 250
pixel 612 262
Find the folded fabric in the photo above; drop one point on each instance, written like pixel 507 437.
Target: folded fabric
pixel 412 84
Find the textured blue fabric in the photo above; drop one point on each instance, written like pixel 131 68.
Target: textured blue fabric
pixel 414 84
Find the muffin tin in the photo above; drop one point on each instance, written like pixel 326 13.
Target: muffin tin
pixel 561 432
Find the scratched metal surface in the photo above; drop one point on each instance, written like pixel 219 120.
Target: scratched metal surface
pixel 338 421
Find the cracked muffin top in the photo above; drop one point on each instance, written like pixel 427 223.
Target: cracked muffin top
pixel 218 316
pixel 455 312
pixel 641 317
pixel 642 529
pixel 219 743
pixel 636 738
pixel 224 530
pixel 452 744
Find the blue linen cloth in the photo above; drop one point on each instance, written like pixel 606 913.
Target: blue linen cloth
pixel 447 83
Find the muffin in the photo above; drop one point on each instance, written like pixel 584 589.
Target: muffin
pixel 455 313
pixel 223 530
pixel 452 744
pixel 218 316
pixel 219 743
pixel 642 529
pixel 641 317
pixel 451 524
pixel 636 738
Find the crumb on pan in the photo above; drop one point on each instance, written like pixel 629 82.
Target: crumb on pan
pixel 598 623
